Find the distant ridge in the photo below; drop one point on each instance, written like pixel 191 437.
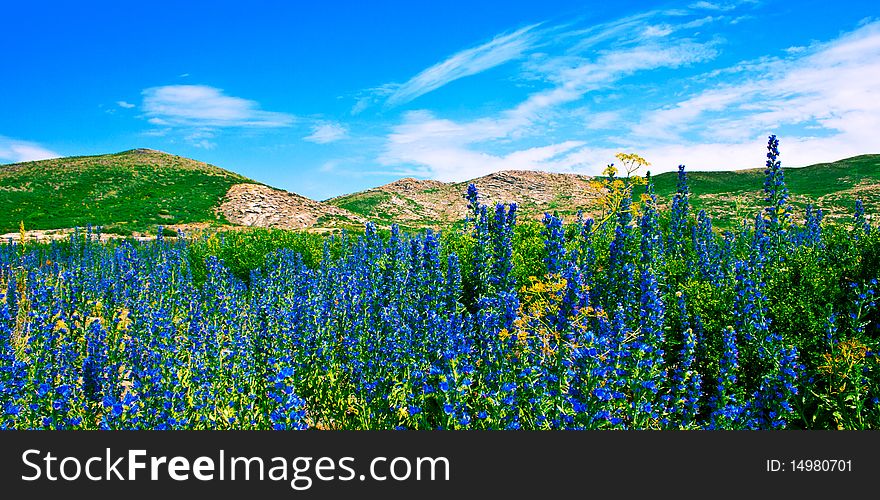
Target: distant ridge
pixel 728 196
pixel 139 189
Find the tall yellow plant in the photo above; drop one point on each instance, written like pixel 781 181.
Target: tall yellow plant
pixel 614 189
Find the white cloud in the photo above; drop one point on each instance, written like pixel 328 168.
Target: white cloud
pixel 625 28
pixel 370 97
pixel 601 119
pixel 449 150
pixel 657 31
pixel 323 133
pixel 831 89
pixel 450 161
pixel 123 104
pixel 633 37
pixel 822 99
pixel 749 153
pixel 203 106
pixel 329 166
pixel 739 19
pixel 501 49
pixel 15 151
pixel 712 6
pixel 576 77
pixel 198 113
pixel 361 105
pixel 201 138
pixel 671 122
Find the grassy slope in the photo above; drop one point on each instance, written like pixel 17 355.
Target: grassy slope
pixel 814 180
pixel 132 190
pixel 369 204
pixel 363 203
pixel 728 196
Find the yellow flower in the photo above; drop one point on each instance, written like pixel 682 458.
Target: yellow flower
pixel 610 170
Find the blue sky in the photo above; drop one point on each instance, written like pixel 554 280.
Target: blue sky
pixel 326 98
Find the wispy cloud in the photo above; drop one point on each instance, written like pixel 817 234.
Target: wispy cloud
pixel 443 149
pixel 575 77
pixel 198 113
pixel 15 150
pixel 201 138
pixel 124 104
pixel 596 94
pixel 712 6
pixel 371 97
pixel 617 31
pixel 329 166
pixel 455 150
pixel 326 132
pixel 204 106
pixel 446 158
pixel 499 50
pixel 830 89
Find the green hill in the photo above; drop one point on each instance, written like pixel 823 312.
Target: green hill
pixel 729 196
pixel 132 190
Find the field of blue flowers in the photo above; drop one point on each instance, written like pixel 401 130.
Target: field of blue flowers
pixel 645 319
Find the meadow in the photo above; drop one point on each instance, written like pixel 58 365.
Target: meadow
pixel 642 318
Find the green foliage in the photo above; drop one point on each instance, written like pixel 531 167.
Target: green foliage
pixel 365 203
pixel 246 250
pixel 528 252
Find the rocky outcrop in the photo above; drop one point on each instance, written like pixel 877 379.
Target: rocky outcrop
pixel 535 191
pixel 434 203
pixel 261 206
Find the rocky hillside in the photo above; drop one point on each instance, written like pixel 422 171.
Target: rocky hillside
pixel 413 202
pixel 728 196
pixel 262 206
